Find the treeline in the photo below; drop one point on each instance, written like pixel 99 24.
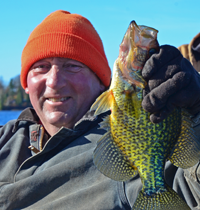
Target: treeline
pixel 13 96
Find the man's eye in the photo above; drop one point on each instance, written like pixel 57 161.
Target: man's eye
pixel 41 68
pixel 72 68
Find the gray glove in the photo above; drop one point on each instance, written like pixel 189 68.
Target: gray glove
pixel 172 82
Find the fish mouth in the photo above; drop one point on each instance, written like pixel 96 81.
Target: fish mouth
pixel 61 99
pixel 135 50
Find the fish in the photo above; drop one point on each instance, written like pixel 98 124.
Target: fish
pixel 132 144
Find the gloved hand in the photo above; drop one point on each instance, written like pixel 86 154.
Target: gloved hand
pixel 171 82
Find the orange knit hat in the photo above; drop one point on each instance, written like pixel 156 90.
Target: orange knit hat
pixel 62 34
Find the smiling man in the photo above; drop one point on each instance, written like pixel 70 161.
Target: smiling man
pixel 46 155
pixel 61 91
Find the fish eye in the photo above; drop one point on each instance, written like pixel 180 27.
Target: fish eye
pixel 152 51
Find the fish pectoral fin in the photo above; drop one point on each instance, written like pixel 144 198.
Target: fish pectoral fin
pixel 168 200
pixel 103 102
pixel 110 161
pixel 186 152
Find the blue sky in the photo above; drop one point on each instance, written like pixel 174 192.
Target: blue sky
pixel 177 21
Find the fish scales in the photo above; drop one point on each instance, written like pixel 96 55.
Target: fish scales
pixel 133 144
pixel 143 142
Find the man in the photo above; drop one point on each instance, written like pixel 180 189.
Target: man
pixel 46 154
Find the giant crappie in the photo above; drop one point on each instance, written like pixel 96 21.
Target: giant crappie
pixel 132 143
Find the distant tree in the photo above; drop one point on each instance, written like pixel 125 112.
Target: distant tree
pixel 13 95
pixel 19 96
pixel 1 83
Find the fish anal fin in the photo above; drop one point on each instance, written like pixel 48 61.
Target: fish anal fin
pixel 110 161
pixel 103 103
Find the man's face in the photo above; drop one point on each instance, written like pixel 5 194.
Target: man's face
pixel 61 91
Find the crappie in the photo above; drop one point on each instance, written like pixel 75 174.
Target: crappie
pixel 132 143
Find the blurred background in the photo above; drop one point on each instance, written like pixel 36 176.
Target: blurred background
pixel 177 21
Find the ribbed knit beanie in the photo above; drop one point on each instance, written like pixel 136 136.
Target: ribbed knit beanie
pixel 62 34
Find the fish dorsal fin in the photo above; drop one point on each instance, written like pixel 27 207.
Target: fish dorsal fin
pixel 109 160
pixel 103 102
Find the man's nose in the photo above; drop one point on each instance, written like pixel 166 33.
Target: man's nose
pixel 55 78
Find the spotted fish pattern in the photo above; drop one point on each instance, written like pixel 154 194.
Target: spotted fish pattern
pixel 133 144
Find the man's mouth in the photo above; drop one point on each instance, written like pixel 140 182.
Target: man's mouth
pixel 58 99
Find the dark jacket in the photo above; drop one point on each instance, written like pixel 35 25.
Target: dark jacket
pixel 62 175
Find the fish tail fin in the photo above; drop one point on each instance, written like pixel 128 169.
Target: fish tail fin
pixel 103 102
pixel 168 200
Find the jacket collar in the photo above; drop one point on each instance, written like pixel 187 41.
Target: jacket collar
pixel 27 114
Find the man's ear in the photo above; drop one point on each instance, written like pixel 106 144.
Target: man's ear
pixel 26 90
